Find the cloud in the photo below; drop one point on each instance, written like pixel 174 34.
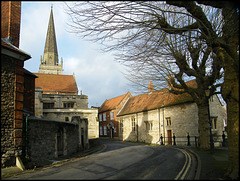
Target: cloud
pixel 96 73
pixel 99 77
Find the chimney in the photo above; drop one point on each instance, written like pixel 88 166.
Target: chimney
pixel 10 21
pixel 150 87
pixel 169 80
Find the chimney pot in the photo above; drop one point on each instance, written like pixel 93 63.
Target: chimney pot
pixel 150 87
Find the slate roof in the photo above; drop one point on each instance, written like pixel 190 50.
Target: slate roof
pixel 111 103
pixel 56 82
pixel 155 99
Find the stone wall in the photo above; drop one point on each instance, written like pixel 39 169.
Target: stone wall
pixel 7 110
pixel 150 125
pixel 67 114
pixel 218 111
pixel 38 102
pixel 43 139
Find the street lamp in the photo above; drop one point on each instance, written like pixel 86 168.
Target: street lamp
pixel 207 92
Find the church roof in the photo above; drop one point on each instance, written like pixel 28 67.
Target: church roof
pixel 56 82
pixel 155 99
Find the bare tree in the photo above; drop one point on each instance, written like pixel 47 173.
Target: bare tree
pixel 183 39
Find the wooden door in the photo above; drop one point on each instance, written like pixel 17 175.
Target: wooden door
pixel 169 135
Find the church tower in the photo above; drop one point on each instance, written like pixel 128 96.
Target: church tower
pixel 49 63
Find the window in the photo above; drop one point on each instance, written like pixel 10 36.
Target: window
pixel 213 123
pixel 100 117
pixel 48 105
pixel 149 126
pixel 68 105
pixel 100 130
pixel 66 118
pixel 211 99
pixel 104 117
pixel 169 122
pixel 105 130
pixel 133 124
pixel 111 115
pixel 121 125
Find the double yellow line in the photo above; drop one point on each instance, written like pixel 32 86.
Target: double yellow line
pixel 181 175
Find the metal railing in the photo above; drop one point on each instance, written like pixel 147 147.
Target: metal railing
pixel 218 140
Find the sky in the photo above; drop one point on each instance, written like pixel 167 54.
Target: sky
pixel 97 74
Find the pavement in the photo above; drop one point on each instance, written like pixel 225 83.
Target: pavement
pixel 212 165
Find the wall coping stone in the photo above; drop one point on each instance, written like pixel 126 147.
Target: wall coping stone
pixel 34 118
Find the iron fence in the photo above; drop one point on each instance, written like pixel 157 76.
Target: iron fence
pixel 191 140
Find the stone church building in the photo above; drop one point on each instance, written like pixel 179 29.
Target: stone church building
pixel 56 94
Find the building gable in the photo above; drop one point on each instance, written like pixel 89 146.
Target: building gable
pixel 112 103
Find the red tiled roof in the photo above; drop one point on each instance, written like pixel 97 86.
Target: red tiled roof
pixel 54 82
pixel 156 99
pixel 111 103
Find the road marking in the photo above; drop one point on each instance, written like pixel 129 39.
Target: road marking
pixel 186 165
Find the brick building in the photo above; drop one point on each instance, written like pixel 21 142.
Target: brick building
pixel 16 82
pixel 107 115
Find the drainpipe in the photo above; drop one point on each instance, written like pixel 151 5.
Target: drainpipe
pixel 26 146
pixel 159 125
pixel 163 126
pixel 137 125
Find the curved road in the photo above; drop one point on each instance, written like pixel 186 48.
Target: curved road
pixel 122 160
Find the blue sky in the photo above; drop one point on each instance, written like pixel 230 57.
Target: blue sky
pixel 96 73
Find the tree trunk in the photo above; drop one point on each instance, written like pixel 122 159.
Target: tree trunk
pixel 203 125
pixel 230 93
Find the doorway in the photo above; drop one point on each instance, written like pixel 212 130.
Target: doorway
pixel 82 138
pixel 169 136
pixel 60 141
pixel 112 132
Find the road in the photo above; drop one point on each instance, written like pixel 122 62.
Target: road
pixel 122 160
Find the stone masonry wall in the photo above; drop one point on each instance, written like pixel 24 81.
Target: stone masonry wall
pixel 7 110
pixel 183 120
pixel 42 139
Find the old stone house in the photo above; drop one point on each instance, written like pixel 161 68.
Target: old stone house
pixel 56 94
pixel 108 123
pixel 147 117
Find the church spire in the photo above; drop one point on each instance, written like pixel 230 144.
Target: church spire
pixel 51 43
pixel 49 64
